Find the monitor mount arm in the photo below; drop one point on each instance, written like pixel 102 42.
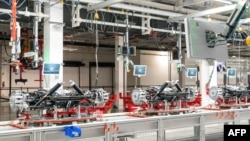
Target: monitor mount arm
pixel 213 38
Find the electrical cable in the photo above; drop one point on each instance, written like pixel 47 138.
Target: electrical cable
pixel 69 11
pixel 157 44
pixel 210 78
pixel 76 6
pixel 47 6
pixel 213 43
pixel 130 24
pixel 7 3
pixel 115 22
pixel 5 47
pixel 89 25
pixel 103 26
pixel 239 53
pixel 3 13
pixel 171 36
pixel 21 4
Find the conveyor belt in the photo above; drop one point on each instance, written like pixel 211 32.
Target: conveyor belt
pixel 7 128
pixel 124 116
pixel 118 125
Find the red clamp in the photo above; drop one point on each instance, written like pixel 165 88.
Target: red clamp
pixel 115 127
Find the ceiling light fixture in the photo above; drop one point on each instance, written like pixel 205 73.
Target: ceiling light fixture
pixel 209 19
pixel 224 1
pixel 65 48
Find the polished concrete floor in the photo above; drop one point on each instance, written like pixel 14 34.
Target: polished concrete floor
pixel 171 135
pixel 5 112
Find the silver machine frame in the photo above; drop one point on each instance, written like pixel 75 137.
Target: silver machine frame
pixel 117 125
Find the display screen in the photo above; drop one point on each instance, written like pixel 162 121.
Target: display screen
pixel 140 70
pixel 231 72
pixel 51 68
pixel 191 72
pixel 202 42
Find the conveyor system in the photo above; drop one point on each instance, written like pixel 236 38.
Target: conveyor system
pixel 110 127
pixel 129 125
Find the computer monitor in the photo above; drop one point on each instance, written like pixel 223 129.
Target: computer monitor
pixel 192 72
pixel 231 72
pixel 51 68
pixel 130 51
pixel 140 70
pixel 206 40
pixel 201 40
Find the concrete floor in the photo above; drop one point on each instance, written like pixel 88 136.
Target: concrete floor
pixel 5 113
pixel 182 134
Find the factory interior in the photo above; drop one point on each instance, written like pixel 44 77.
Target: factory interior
pixel 123 70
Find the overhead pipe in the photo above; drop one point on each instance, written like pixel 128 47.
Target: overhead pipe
pixel 130 14
pixel 35 33
pixel 134 14
pixel 124 25
pixel 16 44
pixel 125 65
pixel 136 8
pixel 172 8
pixel 13 21
pixel 161 8
pixel 162 13
pixel 206 12
pixel 25 13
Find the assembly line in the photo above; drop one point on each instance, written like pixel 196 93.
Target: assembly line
pixel 158 112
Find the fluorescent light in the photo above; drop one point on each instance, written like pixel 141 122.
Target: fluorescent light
pixel 224 1
pixel 69 49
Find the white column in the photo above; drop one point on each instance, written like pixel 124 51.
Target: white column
pixel 53 42
pixel 206 70
pixel 119 71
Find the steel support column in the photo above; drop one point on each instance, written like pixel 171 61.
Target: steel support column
pixel 53 41
pixel 208 78
pixel 161 131
pixel 119 71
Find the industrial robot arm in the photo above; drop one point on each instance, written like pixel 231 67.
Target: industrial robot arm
pixel 234 18
pixel 213 38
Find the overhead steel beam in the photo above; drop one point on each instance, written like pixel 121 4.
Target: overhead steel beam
pixel 168 7
pixel 124 25
pixel 137 8
pixel 165 13
pixel 158 8
pixel 191 2
pixel 205 12
pixel 103 4
pixel 136 15
pixel 224 1
pixel 130 14
pixel 244 21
